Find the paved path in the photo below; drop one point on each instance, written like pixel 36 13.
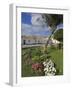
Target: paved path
pixel 25 46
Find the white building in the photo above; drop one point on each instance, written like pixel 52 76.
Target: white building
pixel 54 41
pixel 31 40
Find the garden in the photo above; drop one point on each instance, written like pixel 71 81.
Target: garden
pixel 37 62
pixel 45 60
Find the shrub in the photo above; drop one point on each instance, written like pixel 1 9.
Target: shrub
pixel 49 68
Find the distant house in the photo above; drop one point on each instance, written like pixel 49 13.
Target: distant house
pixel 54 41
pixel 38 40
pixel 31 40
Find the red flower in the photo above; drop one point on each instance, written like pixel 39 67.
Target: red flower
pixel 37 66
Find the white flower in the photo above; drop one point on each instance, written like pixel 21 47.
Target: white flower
pixel 46 69
pixel 49 68
pixel 53 69
pixel 44 63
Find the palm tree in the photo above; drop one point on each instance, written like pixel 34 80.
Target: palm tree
pixel 52 20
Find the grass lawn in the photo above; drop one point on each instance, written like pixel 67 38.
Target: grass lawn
pixel 27 53
pixel 57 57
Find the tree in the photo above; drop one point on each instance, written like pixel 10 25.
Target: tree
pixel 52 20
pixel 58 35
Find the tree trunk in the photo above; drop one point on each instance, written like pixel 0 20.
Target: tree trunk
pixel 53 30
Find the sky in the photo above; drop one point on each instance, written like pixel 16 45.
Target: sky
pixel 26 18
pixel 34 24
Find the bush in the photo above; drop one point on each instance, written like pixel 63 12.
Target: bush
pixel 58 35
pixel 60 45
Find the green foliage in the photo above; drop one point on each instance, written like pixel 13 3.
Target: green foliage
pixel 58 35
pixel 56 55
pixel 44 57
pixel 36 59
pixel 53 19
pixel 52 48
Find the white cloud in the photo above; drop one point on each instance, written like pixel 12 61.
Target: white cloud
pixel 26 29
pixel 38 26
pixel 34 30
pixel 37 20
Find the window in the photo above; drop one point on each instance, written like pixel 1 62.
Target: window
pixel 24 42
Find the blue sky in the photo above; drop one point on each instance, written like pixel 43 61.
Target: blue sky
pixel 26 18
pixel 31 26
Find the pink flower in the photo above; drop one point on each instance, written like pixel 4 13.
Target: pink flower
pixel 37 66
